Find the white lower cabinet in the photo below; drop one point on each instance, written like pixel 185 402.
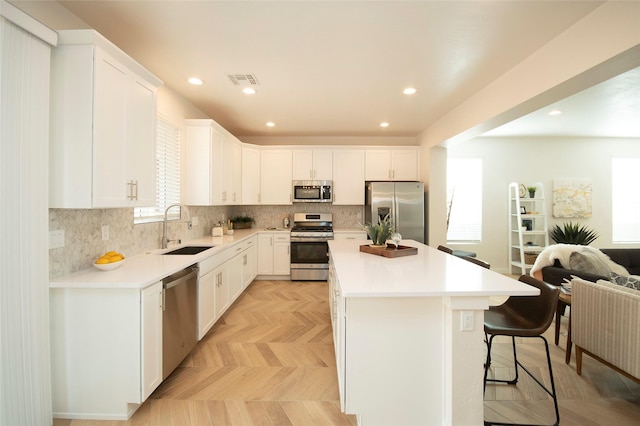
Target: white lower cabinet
pixel 234 273
pixel 221 280
pixel 222 290
pixel 274 255
pixel 249 261
pixel 207 285
pixel 151 314
pixel 282 255
pixel 336 308
pixel 349 235
pixel 106 350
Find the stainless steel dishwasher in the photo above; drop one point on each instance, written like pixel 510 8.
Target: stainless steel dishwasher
pixel 179 317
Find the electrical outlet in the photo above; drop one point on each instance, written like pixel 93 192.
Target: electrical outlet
pixel 105 232
pixel 466 321
pixel 56 239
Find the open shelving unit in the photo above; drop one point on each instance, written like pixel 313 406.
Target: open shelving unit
pixel 528 231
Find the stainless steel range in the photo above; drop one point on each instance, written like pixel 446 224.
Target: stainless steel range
pixel 309 248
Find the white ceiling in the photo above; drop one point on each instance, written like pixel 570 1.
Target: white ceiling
pixel 338 68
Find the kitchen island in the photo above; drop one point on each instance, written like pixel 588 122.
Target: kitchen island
pixel 408 334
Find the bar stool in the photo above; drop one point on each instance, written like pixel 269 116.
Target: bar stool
pixel 523 316
pixel 445 249
pixel 471 259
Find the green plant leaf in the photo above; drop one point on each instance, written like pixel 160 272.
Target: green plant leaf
pixel 380 232
pixel 573 233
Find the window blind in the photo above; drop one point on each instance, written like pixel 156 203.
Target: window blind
pixel 167 173
pixel 464 199
pixel 624 205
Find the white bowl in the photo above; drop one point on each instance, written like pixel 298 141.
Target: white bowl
pixel 109 266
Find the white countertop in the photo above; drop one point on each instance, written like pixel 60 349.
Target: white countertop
pixel 145 269
pixel 429 273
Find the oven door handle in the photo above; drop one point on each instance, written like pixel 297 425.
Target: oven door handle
pixel 309 240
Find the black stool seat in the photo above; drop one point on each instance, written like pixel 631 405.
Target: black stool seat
pixel 523 316
pixel 462 253
pixel 466 255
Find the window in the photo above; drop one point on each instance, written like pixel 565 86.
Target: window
pixel 624 204
pixel 464 199
pixel 167 174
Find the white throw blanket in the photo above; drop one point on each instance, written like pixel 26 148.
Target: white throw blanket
pixel 562 252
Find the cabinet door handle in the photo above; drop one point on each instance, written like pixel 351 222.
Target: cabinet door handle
pixel 133 190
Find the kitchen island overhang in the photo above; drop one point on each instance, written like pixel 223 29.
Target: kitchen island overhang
pixel 401 352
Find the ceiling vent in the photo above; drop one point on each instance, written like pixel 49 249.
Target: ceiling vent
pixel 243 79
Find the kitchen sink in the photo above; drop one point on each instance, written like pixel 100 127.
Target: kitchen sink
pixel 189 250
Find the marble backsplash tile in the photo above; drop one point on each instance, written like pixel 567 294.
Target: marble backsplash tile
pixel 83 229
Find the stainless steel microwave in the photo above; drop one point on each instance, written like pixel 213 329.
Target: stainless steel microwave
pixel 312 191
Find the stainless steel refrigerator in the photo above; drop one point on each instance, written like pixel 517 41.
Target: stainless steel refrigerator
pixel 404 201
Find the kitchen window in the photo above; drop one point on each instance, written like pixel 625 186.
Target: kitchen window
pixel 167 174
pixel 464 200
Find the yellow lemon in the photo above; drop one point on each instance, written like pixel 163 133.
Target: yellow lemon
pixel 115 257
pixel 110 253
pixel 103 260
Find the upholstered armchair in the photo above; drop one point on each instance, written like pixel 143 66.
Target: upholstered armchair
pixel 605 324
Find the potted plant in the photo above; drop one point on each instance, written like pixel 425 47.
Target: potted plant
pixel 242 222
pixel 380 232
pixel 532 191
pixel 573 233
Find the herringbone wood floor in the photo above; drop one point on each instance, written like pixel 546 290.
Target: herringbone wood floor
pixel 270 361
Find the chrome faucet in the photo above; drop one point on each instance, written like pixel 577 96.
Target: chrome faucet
pixel 165 239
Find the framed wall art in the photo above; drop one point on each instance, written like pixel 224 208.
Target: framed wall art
pixel 572 198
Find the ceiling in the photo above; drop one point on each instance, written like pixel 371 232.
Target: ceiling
pixel 338 68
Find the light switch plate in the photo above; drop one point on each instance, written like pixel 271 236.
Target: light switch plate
pixel 56 239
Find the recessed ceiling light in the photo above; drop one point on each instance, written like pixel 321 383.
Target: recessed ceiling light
pixel 384 124
pixel 248 90
pixel 270 124
pixel 409 91
pixel 195 81
pixel 555 112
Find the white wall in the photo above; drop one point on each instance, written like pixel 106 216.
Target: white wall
pixel 531 160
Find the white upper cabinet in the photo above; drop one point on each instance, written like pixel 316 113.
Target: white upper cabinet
pixel 250 175
pixel 213 174
pixel 401 164
pixel 312 164
pixel 103 125
pixel 231 170
pixel 233 166
pixel 275 176
pixel 348 177
pixel 203 174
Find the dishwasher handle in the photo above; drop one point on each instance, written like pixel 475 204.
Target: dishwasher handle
pixel 180 277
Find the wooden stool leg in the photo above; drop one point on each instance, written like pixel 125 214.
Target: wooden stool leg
pixel 559 311
pixel 567 356
pixel 578 360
